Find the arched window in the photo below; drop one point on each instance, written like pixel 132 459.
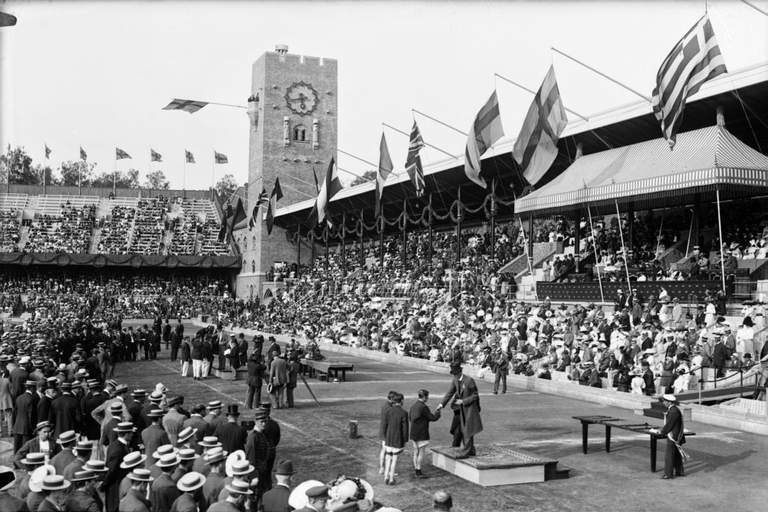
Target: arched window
pixel 299 133
pixel 253 266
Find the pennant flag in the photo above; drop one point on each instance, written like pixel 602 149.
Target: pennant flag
pixel 536 146
pixel 329 188
pixel 232 218
pixel 154 156
pixel 120 154
pixel 190 106
pixel 695 59
pixel 385 169
pixel 47 151
pixel 413 161
pixel 220 158
pixel 83 155
pixel 274 197
pixel 484 132
pixel 317 185
pixel 189 157
pixel 261 201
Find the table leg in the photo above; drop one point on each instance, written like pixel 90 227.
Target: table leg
pixel 584 435
pixel 654 442
pixel 343 375
pixel 607 438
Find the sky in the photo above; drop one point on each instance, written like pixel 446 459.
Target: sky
pixel 96 74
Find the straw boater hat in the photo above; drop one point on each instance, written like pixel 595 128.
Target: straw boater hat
pixel 215 455
pixel 187 454
pixel 123 427
pixel 168 461
pixel 238 467
pixel 54 483
pixel 36 477
pixel 140 475
pixel 132 460
pixel 185 434
pixel 34 459
pixel 668 397
pixel 164 450
pixel 239 487
pixel 190 482
pixel 97 466
pixel 67 437
pixel 82 476
pixel 209 442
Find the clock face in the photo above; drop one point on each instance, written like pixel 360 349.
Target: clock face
pixel 301 98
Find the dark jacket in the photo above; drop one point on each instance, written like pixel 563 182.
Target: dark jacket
pixel 674 425
pixel 231 436
pixel 114 475
pixel 276 499
pixel 420 416
pixel 65 414
pixel 256 371
pixel 25 415
pixel 396 427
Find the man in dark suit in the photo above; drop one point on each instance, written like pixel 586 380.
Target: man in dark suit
pixel 7 500
pixel 41 443
pixel 154 436
pixel 272 431
pixel 19 376
pixel 231 435
pixel 463 393
pixel 24 416
pixel 719 356
pixel 673 431
pixel 420 417
pixel 276 499
pixel 196 422
pixel 167 334
pixel 278 377
pixel 257 450
pixel 94 398
pixel 65 411
pixel 115 474
pixel 256 370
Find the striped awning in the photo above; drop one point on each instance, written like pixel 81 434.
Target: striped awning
pixel 702 159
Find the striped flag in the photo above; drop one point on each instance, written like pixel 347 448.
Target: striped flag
pixel 47 151
pixel 83 154
pixel 189 157
pixel 120 154
pixel 330 187
pixel 695 59
pixel 536 146
pixel 220 158
pixel 484 132
pixel 154 156
pixel 261 201
pixel 190 106
pixel 274 197
pixel 413 161
pixel 385 169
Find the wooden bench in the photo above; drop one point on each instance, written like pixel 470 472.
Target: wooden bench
pixel 329 368
pixel 610 423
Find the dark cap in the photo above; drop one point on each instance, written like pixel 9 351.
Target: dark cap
pixel 317 492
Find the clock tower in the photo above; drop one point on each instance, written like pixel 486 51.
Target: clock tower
pixel 293 131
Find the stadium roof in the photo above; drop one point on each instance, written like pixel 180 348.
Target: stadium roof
pixel 743 96
pixel 702 160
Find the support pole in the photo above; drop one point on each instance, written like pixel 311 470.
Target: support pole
pixel 344 244
pixel 425 143
pixel 594 248
pixel 623 247
pixel 381 239
pixel 493 219
pixel 362 249
pixel 577 240
pixel 429 231
pixel 298 250
pixel 459 216
pixel 325 240
pixel 405 235
pixel 722 242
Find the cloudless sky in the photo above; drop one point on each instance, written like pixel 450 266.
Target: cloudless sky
pixel 97 74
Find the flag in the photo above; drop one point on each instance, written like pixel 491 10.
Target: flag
pixel 220 158
pixel 329 188
pixel 385 169
pixel 231 219
pixel 484 132
pixel 190 106
pixel 413 161
pixel 274 197
pixel 154 156
pixel 695 59
pixel 120 154
pixel 189 157
pixel 47 151
pixel 262 200
pixel 83 155
pixel 317 185
pixel 536 146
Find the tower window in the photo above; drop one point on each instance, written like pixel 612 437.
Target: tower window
pixel 299 133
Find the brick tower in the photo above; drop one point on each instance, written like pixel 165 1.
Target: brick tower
pixel 293 129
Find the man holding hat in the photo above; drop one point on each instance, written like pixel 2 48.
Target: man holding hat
pixel 276 499
pixel 463 394
pixel 190 485
pixel 116 451
pixel 231 434
pixel 62 459
pixel 317 498
pixel 82 497
pixel 674 432
pixel 136 499
pixel 40 444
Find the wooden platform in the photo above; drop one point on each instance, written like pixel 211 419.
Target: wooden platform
pixel 497 465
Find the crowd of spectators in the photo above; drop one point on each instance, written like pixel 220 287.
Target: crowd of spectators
pixel 9 230
pixel 149 226
pixel 69 232
pixel 115 231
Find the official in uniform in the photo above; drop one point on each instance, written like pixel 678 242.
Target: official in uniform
pixel 317 498
pixel 673 431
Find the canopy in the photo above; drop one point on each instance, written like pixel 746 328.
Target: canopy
pixel 702 160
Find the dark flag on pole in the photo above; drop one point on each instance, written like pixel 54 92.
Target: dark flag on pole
pixel 154 156
pixel 384 170
pixel 232 218
pixel 274 197
pixel 83 154
pixel 263 199
pixel 47 151
pixel 413 162
pixel 120 154
pixel 189 157
pixel 220 158
pixel 190 106
pixel 330 186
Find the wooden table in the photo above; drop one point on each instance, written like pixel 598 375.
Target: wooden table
pixel 330 368
pixel 610 423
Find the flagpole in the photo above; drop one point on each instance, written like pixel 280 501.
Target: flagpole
pixel 623 247
pixel 356 157
pixel 48 163
pixel 425 143
pixel 439 122
pixel 577 61
pixel 213 171
pixel 594 248
pixel 114 177
pixel 764 13
pixel 534 93
pixel 184 178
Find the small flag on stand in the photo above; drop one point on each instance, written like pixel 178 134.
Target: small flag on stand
pixel 190 106
pixel 694 60
pixel 220 158
pixel 413 161
pixel 484 132
pixel 536 146
pixel 274 197
pixel 190 158
pixel 154 156
pixel 120 154
pixel 383 172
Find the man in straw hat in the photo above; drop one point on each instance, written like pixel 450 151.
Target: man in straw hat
pixel 62 459
pixel 215 479
pixel 237 492
pixel 130 462
pixel 115 474
pixel 82 496
pixel 163 491
pixel 190 485
pixel 39 444
pixel 136 499
pixel 674 432
pixel 276 499
pixel 7 500
pixel 463 394
pixel 154 436
pixel 55 489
